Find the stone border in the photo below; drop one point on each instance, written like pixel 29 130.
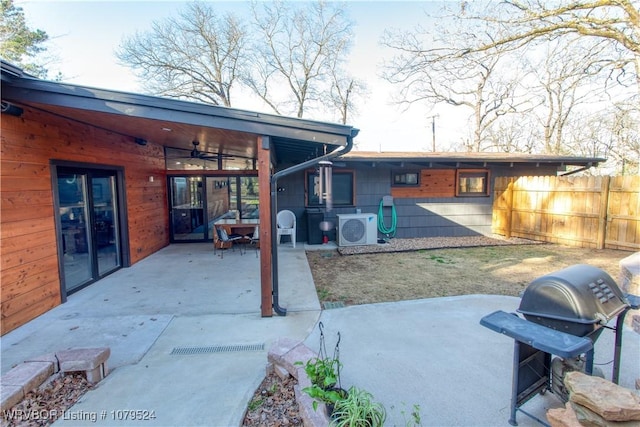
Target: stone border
pixel 282 358
pixel 33 372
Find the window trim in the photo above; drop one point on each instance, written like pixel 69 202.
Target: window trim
pixel 405 184
pixel 352 172
pixel 473 173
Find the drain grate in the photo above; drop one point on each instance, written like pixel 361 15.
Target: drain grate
pixel 333 304
pixel 217 349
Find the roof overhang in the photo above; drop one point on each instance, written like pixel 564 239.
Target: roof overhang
pixel 483 159
pixel 175 123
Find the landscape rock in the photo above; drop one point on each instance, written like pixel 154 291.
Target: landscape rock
pixel 563 417
pixel 588 418
pixel 629 277
pixel 609 400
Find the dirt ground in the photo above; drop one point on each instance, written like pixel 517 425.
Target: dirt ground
pixel 499 270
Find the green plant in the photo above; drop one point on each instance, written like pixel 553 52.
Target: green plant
pixel 255 404
pixel 441 260
pixel 324 375
pixel 327 396
pixel 358 409
pixel 323 372
pixel 323 294
pixel 416 418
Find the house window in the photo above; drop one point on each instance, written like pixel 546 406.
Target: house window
pixel 472 182
pixel 343 188
pixel 402 179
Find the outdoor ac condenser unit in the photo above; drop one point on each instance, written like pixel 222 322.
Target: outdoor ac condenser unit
pixel 357 229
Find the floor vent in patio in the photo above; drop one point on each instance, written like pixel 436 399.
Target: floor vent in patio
pixel 217 349
pixel 332 304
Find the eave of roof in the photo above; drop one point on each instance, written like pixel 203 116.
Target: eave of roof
pixel 477 158
pixel 19 87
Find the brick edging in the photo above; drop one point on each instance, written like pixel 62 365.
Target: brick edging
pixel 33 372
pixel 282 358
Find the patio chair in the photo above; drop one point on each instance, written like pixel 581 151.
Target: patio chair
pixel 286 221
pixel 223 241
pixel 254 239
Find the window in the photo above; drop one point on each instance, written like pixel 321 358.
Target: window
pixel 472 182
pixel 406 178
pixel 343 188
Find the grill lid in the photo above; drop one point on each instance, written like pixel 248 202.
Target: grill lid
pixel 578 294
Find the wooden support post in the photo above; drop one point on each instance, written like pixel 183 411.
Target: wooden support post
pixel 509 213
pixel 602 214
pixel 266 263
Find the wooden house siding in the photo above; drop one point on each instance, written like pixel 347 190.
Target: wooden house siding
pixel 28 249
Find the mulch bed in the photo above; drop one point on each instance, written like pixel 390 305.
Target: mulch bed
pixel 273 404
pixel 43 406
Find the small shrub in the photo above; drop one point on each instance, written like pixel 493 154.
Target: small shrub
pixel 358 409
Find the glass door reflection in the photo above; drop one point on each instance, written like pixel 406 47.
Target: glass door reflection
pixel 187 208
pixel 76 242
pixel 105 223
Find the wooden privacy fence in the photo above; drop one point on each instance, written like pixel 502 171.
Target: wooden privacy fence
pixel 588 211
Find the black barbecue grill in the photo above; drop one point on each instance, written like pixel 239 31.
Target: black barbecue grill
pixel 564 314
pixel 578 300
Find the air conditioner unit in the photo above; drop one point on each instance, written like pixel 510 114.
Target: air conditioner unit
pixel 357 229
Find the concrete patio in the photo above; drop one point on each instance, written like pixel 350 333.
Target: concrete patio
pixel 432 353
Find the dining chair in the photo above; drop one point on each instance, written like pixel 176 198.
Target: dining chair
pixel 286 221
pixel 223 241
pixel 254 239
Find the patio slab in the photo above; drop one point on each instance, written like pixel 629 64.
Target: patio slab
pixel 432 353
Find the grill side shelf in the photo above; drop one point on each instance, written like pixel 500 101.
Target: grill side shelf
pixel 537 336
pixel 533 346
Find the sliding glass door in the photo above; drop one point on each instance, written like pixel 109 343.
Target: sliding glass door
pixel 88 221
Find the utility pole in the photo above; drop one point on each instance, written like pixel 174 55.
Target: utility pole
pixel 433 131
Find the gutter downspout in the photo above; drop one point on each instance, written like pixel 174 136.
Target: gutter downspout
pixel 274 244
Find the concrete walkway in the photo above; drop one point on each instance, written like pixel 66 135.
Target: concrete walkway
pixel 431 353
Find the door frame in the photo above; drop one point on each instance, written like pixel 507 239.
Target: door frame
pixel 123 228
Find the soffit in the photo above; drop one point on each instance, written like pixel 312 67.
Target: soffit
pixel 218 130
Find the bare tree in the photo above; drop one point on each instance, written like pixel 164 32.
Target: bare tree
pixel 297 48
pixel 344 90
pixel 198 56
pixel 566 76
pixel 517 23
pixel 513 133
pixel 626 138
pixel 432 66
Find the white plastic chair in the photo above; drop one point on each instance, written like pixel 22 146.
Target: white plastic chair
pixel 286 221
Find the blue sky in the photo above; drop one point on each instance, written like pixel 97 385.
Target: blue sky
pixel 85 34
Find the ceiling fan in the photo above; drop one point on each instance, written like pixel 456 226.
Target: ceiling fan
pixel 197 154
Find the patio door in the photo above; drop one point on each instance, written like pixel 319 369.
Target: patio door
pixel 88 222
pixel 187 208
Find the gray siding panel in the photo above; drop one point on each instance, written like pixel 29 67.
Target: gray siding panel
pixel 429 217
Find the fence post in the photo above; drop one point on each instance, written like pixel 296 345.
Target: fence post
pixel 509 214
pixel 602 214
